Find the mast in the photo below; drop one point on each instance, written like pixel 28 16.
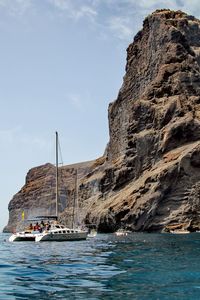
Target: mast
pixel 56 174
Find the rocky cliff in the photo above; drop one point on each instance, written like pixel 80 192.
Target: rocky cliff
pixel 149 176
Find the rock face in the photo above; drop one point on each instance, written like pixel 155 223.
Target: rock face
pixel 37 196
pixel 149 176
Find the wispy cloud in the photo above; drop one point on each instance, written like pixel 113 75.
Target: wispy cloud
pixel 7 136
pixel 75 101
pixel 35 142
pixel 126 17
pixel 119 18
pixel 16 7
pixel 86 11
pixel 75 9
pixel 121 28
pixel 16 136
pixel 142 6
pixel 191 7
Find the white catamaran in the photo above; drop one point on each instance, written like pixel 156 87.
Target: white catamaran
pixel 54 231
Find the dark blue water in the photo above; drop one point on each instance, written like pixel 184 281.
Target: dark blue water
pixel 140 266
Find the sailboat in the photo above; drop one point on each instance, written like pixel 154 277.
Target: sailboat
pixel 54 231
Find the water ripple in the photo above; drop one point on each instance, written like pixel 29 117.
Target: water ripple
pixel 140 266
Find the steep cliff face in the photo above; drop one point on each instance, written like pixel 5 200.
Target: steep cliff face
pixel 152 173
pixel 149 176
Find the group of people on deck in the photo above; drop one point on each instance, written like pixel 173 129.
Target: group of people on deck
pixel 39 227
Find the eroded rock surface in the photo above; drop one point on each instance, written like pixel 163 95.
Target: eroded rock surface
pixel 149 176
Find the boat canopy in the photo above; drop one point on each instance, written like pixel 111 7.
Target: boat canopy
pixel 37 218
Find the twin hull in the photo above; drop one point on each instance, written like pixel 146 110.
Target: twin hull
pixel 54 236
pixel 75 235
pixel 22 237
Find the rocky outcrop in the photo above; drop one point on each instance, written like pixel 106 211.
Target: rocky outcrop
pixel 37 196
pixel 149 176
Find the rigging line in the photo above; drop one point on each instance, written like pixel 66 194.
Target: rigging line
pixel 47 176
pixel 60 152
pixel 60 176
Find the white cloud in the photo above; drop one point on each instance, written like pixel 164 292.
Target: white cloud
pixel 121 28
pixel 75 9
pixel 60 4
pixel 191 7
pixel 16 7
pixel 121 18
pixel 152 4
pixel 86 11
pixel 75 101
pixel 16 136
pixel 7 136
pixel 126 16
pixel 34 142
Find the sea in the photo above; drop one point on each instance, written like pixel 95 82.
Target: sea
pixel 137 266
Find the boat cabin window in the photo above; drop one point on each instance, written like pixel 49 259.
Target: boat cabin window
pixel 59 226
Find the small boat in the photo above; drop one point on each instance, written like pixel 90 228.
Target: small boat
pixel 121 232
pixel 54 231
pixel 92 230
pixel 179 231
pixel 92 233
pixel 181 228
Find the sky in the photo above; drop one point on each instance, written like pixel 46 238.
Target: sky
pixel 61 63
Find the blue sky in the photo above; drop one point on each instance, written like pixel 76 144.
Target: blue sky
pixel 61 63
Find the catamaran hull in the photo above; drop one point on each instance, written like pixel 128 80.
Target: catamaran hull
pixel 61 237
pixel 22 238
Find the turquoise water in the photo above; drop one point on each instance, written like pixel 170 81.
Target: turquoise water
pixel 140 266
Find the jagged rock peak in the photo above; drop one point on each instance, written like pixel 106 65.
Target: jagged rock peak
pixel 167 37
pixel 163 68
pixel 168 13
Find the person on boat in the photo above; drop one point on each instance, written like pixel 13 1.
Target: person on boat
pixel 37 227
pixel 48 226
pixel 30 226
pixel 42 226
